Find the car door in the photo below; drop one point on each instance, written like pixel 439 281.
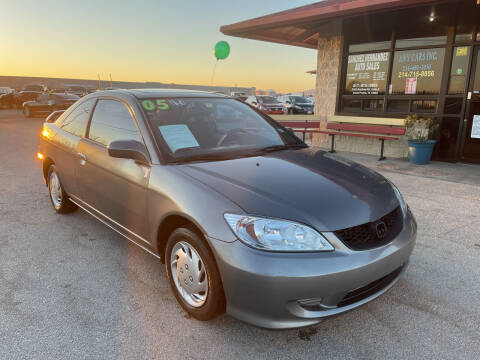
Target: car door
pixel 71 129
pixel 116 188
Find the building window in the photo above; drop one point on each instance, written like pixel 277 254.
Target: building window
pixel 367 74
pixel 458 71
pixel 398 106
pixel 417 72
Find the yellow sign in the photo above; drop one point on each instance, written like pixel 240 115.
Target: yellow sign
pixel 462 51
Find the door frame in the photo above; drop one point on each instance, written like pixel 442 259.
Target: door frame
pixel 473 98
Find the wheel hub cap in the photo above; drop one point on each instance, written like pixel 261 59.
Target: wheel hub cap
pixel 189 274
pixel 55 190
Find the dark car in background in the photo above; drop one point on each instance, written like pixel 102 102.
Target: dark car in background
pixel 297 104
pixel 266 104
pixel 246 217
pixel 6 97
pixel 46 103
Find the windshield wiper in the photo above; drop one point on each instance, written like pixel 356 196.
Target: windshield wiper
pixel 210 157
pixel 282 147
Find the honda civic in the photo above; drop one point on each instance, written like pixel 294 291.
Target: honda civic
pixel 245 216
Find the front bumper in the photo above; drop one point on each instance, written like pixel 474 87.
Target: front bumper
pixel 302 111
pixel 273 112
pixel 263 288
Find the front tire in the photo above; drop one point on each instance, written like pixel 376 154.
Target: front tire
pixel 193 275
pixel 59 198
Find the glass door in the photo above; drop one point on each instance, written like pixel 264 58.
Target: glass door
pixel 471 131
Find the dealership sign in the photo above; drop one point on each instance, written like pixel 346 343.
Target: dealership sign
pixel 367 73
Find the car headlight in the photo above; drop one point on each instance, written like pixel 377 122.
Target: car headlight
pixel 401 200
pixel 276 235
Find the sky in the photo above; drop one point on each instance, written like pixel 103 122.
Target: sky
pixel 148 40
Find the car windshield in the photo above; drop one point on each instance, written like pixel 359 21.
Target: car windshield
pixel 267 100
pixel 189 129
pixel 300 100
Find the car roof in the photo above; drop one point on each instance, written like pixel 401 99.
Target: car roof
pixel 152 93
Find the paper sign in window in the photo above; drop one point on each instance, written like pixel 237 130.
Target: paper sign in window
pixel 475 134
pixel 178 137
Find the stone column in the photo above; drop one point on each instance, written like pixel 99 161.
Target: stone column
pixel 328 66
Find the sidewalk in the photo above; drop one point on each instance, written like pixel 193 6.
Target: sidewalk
pixel 458 173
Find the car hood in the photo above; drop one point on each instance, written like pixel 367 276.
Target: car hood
pixel 307 185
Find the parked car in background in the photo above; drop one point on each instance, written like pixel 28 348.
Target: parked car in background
pixel 28 92
pixel 266 104
pixel 78 90
pixel 46 103
pixel 246 217
pixel 296 104
pixel 6 97
pixel 22 96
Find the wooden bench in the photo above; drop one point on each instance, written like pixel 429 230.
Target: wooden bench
pixel 302 126
pixel 380 132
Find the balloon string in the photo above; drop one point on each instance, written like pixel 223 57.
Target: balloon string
pixel 213 73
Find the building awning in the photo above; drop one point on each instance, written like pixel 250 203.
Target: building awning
pixel 301 26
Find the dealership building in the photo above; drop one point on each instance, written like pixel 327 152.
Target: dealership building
pixel 380 60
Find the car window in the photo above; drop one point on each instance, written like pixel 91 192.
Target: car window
pixel 192 127
pixel 77 120
pixel 111 121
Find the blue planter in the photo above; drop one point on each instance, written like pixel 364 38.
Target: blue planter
pixel 420 152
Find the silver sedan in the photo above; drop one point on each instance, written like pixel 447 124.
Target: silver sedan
pixel 246 217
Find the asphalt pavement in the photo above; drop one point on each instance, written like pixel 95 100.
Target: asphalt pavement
pixel 71 288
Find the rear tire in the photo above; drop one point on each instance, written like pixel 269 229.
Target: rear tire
pixel 193 275
pixel 58 197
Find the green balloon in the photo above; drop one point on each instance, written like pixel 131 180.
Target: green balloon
pixel 222 50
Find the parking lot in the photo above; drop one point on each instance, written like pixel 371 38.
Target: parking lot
pixel 72 288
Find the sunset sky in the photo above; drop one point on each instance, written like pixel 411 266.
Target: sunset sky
pixel 149 40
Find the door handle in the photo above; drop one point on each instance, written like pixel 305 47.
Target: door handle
pixel 83 158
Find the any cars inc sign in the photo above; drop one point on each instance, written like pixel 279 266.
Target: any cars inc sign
pixel 475 134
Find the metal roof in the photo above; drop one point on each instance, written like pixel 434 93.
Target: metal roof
pixel 300 26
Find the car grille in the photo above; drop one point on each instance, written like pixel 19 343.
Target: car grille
pixel 366 236
pixel 369 289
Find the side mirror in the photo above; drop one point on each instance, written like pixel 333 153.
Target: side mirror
pixel 290 130
pixel 254 103
pixel 128 149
